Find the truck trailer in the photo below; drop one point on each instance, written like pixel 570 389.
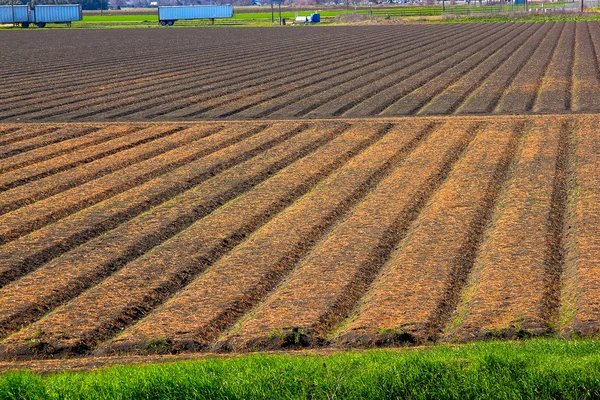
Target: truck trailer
pixel 14 14
pixel 40 15
pixel 55 14
pixel 168 15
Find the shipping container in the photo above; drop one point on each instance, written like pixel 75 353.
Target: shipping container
pixel 64 13
pixel 14 14
pixel 168 15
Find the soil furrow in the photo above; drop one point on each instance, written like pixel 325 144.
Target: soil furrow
pixel 67 276
pixel 66 146
pixel 555 92
pixel 380 102
pixel 268 102
pixel 219 81
pixel 17 134
pixel 580 297
pixel 418 287
pixel 354 97
pixel 453 96
pixel 195 105
pixel 42 137
pixel 190 137
pixel 140 286
pixel 32 250
pixel 487 95
pixel 244 276
pixel 324 287
pixel 80 157
pixel 520 96
pixel 410 102
pixel 506 292
pixel 409 50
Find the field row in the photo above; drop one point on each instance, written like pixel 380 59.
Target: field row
pixel 141 237
pixel 172 75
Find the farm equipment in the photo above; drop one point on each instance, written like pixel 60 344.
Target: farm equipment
pixel 168 15
pixel 40 15
pixel 311 19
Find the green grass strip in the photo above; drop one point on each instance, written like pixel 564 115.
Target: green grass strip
pixel 534 369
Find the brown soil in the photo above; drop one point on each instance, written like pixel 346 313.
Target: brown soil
pixel 161 74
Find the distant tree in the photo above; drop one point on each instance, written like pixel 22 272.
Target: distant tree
pixel 116 4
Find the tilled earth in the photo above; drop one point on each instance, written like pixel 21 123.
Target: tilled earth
pixel 304 210
pixel 300 72
pixel 234 236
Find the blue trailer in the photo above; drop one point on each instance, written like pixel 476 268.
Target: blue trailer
pixel 40 15
pixel 14 14
pixel 56 14
pixel 168 15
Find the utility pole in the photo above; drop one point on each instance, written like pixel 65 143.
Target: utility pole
pixel 272 13
pixel 279 4
pixel 12 5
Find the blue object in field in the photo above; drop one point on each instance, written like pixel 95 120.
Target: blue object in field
pixel 172 14
pixel 519 1
pixel 14 14
pixel 63 13
pixel 314 18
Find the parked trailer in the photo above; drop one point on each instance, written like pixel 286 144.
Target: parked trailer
pixel 14 14
pixel 168 15
pixel 57 14
pixel 311 19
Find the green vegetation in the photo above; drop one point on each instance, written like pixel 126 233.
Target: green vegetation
pixel 249 17
pixel 120 18
pixel 540 368
pixel 516 18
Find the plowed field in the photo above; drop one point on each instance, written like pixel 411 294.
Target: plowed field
pixel 300 73
pixel 121 238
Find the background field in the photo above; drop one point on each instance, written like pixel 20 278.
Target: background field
pixel 234 236
pixel 185 74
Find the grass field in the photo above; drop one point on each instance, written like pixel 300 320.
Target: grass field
pixel 529 370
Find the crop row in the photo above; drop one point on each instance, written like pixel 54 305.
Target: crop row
pixel 504 68
pixel 247 235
